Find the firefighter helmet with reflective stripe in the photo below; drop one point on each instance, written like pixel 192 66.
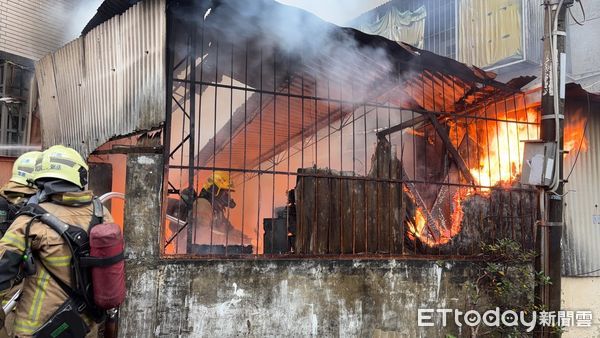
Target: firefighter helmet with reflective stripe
pixel 23 168
pixel 221 180
pixel 62 163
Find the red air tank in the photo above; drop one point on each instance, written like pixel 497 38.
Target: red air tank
pixel 108 279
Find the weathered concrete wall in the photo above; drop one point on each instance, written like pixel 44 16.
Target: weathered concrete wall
pixel 291 298
pixel 582 294
pixel 259 298
pixel 141 231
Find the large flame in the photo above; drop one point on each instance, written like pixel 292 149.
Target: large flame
pixel 502 148
pixel 500 155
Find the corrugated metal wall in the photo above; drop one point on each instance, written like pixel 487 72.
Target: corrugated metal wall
pixel 533 30
pixel 107 83
pixel 581 248
pixel 34 28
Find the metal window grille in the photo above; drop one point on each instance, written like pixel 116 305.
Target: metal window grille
pixel 328 156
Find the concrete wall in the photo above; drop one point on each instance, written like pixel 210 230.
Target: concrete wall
pixel 582 293
pixel 188 298
pixel 291 298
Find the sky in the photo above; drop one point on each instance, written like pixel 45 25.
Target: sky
pixel 338 12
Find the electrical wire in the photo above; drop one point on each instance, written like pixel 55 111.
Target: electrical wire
pixel 553 28
pixel 584 273
pixel 582 11
pixel 582 137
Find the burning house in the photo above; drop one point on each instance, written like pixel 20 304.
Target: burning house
pixel 353 158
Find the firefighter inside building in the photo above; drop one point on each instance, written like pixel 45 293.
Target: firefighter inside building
pixel 211 226
pixel 48 244
pixel 16 193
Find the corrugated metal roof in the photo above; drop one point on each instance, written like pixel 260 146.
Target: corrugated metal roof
pixel 107 10
pixel 107 83
pixel 31 29
pixel 581 251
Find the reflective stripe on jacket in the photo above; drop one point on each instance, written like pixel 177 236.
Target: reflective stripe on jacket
pixel 41 294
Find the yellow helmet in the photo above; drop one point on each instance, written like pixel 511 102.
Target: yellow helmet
pixel 221 179
pixel 63 163
pixel 23 168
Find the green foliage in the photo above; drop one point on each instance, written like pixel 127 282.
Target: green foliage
pixel 505 279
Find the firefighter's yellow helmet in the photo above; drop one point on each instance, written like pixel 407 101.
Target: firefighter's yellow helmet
pixel 23 168
pixel 63 163
pixel 220 179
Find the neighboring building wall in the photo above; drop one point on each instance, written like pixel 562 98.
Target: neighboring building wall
pixel 582 294
pixel 582 46
pixel 34 28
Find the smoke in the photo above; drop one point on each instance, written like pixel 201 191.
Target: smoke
pixel 269 44
pixel 334 55
pixel 79 16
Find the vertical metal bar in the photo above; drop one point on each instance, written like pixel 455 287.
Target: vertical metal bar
pixel 341 180
pixel 376 172
pixel 366 200
pixel 273 215
pixel 183 118
pixel 212 195
pixel 289 136
pixel 260 159
pixel 389 185
pixel 329 180
pixel 353 210
pixel 168 123
pixel 487 135
pixel 245 144
pixel 316 160
pixel 301 226
pixel 230 147
pixel 192 140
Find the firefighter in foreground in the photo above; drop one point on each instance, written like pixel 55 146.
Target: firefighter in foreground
pixel 15 193
pixel 211 224
pixel 44 255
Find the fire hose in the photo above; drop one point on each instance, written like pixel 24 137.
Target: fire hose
pixel 12 302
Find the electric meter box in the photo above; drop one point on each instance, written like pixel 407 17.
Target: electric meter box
pixel 538 163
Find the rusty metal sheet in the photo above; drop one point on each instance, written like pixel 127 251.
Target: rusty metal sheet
pixel 107 83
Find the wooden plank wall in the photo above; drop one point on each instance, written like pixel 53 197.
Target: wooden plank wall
pixel 339 213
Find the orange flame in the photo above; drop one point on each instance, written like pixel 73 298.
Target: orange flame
pixel 502 149
pixel 430 231
pixel 499 162
pixel 575 134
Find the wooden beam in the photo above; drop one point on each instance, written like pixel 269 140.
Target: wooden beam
pixel 453 151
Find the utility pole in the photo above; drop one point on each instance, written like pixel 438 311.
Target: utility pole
pixel 553 87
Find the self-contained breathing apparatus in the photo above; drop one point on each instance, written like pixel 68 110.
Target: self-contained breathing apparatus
pixel 97 270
